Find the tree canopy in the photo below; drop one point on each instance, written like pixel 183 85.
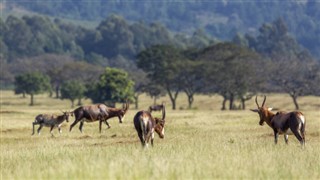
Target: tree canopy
pixel 32 84
pixel 113 86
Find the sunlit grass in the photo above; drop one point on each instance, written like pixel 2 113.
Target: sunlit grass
pixel 203 143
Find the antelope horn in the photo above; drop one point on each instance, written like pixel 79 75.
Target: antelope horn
pixel 164 113
pixel 257 101
pixel 264 100
pixel 126 105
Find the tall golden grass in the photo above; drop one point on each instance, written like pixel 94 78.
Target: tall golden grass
pixel 202 143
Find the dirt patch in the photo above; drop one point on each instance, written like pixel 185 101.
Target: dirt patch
pixel 85 137
pixel 11 112
pixel 7 131
pixel 266 135
pixel 314 134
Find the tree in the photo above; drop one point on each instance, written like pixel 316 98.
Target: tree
pixel 192 74
pixel 230 71
pixel 294 76
pixel 72 90
pixel 160 62
pixel 113 86
pixel 32 83
pixel 154 91
pixel 117 39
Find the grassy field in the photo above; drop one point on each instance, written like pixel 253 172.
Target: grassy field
pixel 203 143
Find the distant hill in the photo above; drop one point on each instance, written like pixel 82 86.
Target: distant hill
pixel 220 18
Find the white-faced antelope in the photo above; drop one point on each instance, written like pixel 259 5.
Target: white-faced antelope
pixel 98 112
pixel 281 122
pixel 51 121
pixel 145 126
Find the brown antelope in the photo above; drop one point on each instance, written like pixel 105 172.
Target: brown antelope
pixel 282 121
pixel 51 121
pixel 156 107
pixel 98 112
pixel 145 125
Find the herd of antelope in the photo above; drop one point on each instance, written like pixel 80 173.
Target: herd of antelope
pixel 145 124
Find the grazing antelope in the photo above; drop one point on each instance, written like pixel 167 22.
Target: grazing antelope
pixel 145 125
pixel 98 112
pixel 51 121
pixel 282 121
pixel 156 107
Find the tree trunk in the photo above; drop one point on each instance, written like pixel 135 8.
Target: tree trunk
pixel 224 103
pixel 190 101
pixel 79 102
pixel 243 104
pixel 154 100
pixel 57 91
pixel 136 103
pixel 31 102
pixel 231 102
pixel 294 98
pixel 173 98
pixel 189 94
pixel 72 103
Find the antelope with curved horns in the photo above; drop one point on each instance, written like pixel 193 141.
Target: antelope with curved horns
pixel 281 122
pixel 98 112
pixel 145 126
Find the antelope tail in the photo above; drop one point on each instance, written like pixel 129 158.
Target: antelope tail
pixel 143 126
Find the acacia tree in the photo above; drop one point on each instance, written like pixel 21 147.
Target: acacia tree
pixel 32 84
pixel 294 76
pixel 230 71
pixel 113 86
pixel 160 64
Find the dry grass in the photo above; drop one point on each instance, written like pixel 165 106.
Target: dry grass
pixel 203 143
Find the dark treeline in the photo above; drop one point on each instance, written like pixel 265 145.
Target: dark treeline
pixel 220 18
pixel 157 60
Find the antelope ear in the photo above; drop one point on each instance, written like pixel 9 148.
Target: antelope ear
pixel 270 109
pixel 255 110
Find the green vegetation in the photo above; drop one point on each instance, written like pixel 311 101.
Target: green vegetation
pixel 72 90
pixel 32 84
pixel 199 144
pixel 113 86
pixel 221 19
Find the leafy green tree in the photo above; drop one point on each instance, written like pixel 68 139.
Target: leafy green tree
pixel 32 84
pixel 72 90
pixel 161 65
pixel 113 86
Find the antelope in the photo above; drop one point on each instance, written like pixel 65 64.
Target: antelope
pixel 282 121
pixel 98 112
pixel 51 121
pixel 145 126
pixel 156 107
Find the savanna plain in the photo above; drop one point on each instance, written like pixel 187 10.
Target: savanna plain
pixel 201 143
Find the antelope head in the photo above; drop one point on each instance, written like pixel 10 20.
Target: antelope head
pixel 159 128
pixel 263 111
pixel 66 115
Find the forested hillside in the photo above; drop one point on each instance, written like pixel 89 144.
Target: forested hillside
pixel 222 19
pixel 161 56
